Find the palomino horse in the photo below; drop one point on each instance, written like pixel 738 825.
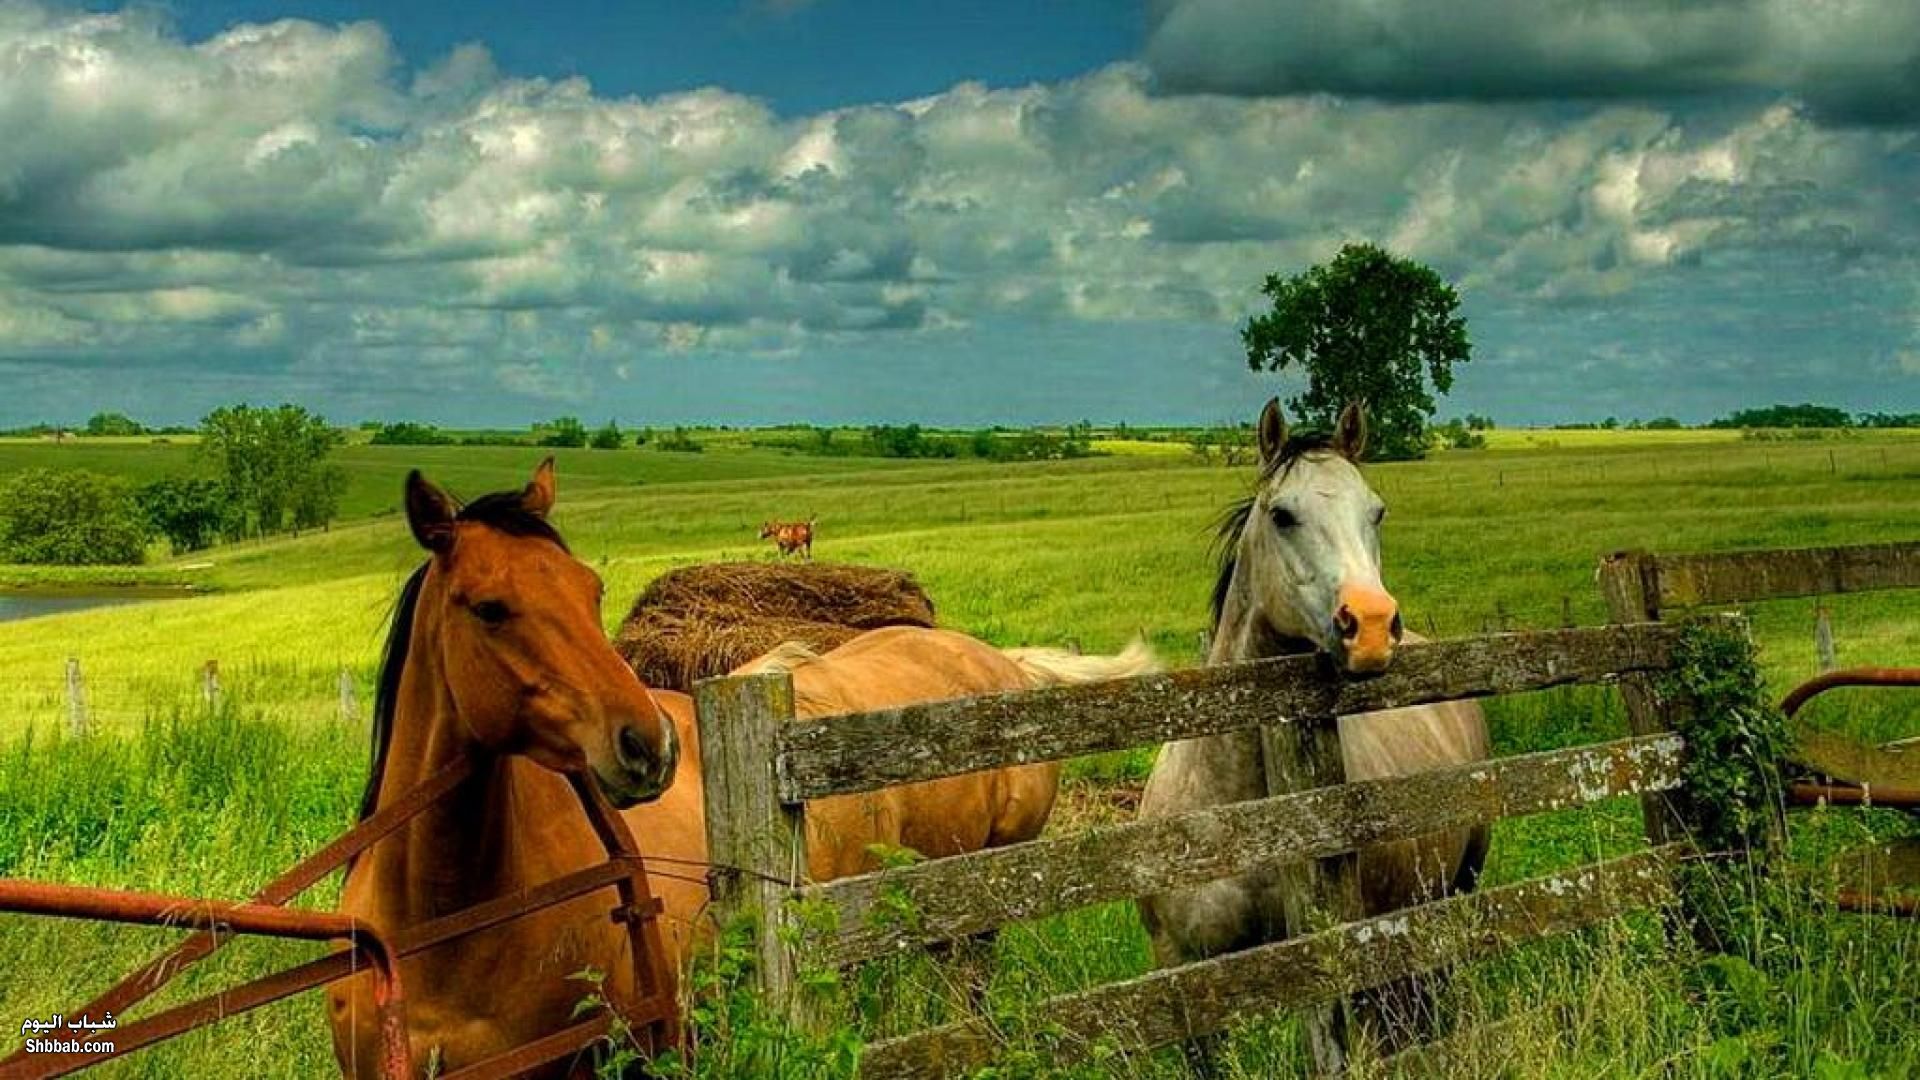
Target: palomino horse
pixel 1300 573
pixel 497 652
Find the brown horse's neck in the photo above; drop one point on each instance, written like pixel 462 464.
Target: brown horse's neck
pixel 458 850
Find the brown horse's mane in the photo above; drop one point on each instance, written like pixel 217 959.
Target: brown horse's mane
pixel 1233 520
pixel 502 510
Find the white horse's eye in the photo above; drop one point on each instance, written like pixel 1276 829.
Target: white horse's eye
pixel 1282 517
pixel 1379 515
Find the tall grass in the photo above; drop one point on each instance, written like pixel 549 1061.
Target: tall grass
pixel 172 795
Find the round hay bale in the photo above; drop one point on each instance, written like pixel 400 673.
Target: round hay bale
pixel 697 622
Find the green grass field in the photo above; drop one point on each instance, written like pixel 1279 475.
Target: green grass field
pixel 169 796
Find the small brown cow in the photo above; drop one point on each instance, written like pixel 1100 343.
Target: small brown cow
pixel 790 536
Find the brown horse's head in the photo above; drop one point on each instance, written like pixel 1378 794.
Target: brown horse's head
pixel 514 622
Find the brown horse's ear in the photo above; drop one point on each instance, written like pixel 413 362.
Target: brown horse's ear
pixel 537 499
pixel 1350 433
pixel 430 513
pixel 1273 432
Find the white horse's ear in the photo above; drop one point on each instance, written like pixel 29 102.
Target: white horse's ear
pixel 1272 432
pixel 1350 433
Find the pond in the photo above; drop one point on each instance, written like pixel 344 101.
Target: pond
pixel 32 603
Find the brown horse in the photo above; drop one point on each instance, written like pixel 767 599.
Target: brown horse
pixel 790 536
pixel 497 652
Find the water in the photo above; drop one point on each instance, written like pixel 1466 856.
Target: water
pixel 28 605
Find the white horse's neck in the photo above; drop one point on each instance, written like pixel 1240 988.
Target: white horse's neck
pixel 1244 632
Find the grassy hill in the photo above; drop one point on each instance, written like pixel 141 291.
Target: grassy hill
pixel 1092 550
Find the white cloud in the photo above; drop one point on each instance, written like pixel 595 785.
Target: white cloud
pixel 293 191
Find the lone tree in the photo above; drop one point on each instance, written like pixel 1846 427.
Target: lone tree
pixel 272 466
pixel 1367 326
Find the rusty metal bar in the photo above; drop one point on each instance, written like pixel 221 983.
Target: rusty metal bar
pixel 161 970
pixel 1807 793
pixel 538 1052
pixel 178 912
pixel 653 1017
pixel 1860 676
pixel 183 1018
pixel 215 917
pixel 654 978
pixel 485 916
pixel 1906 906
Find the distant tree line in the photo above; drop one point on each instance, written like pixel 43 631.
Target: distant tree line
pixel 1805 415
pixel 564 432
pixel 258 471
pixel 916 442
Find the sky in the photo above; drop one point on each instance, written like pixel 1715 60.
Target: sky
pixel 835 211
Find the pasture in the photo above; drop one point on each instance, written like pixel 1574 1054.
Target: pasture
pixel 174 796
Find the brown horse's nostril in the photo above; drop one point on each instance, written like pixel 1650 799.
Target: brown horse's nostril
pixel 634 750
pixel 1347 623
pixel 1398 629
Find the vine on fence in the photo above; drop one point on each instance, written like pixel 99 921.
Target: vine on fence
pixel 1736 738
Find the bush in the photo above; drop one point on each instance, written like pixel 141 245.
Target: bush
pixel 108 423
pixel 408 433
pixel 70 518
pixel 1457 435
pixel 678 442
pixel 608 438
pixel 566 431
pixel 190 512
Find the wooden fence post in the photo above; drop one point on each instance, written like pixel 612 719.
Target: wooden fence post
pixel 756 843
pixel 349 709
pixel 1630 581
pixel 1823 639
pixel 77 720
pixel 1301 756
pixel 210 683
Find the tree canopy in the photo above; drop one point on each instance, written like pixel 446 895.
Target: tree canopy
pixel 191 512
pixel 273 467
pixel 70 518
pixel 1367 326
pixel 1803 415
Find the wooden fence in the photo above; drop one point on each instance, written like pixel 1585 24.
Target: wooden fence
pixel 761 764
pixel 1642 586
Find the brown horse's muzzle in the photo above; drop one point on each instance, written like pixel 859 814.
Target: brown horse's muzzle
pixel 1368 619
pixel 644 766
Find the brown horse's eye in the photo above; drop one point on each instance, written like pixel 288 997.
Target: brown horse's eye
pixel 491 612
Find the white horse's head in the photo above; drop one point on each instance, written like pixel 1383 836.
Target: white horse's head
pixel 1307 549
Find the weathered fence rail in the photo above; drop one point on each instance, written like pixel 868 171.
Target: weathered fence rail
pixel 1166 1006
pixel 843 754
pixel 952 898
pixel 1641 587
pixel 762 765
pixel 1733 577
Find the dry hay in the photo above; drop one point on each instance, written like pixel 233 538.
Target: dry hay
pixel 700 621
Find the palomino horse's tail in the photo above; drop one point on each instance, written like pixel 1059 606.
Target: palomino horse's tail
pixel 1059 667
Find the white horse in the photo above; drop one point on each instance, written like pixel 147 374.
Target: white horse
pixel 1301 573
